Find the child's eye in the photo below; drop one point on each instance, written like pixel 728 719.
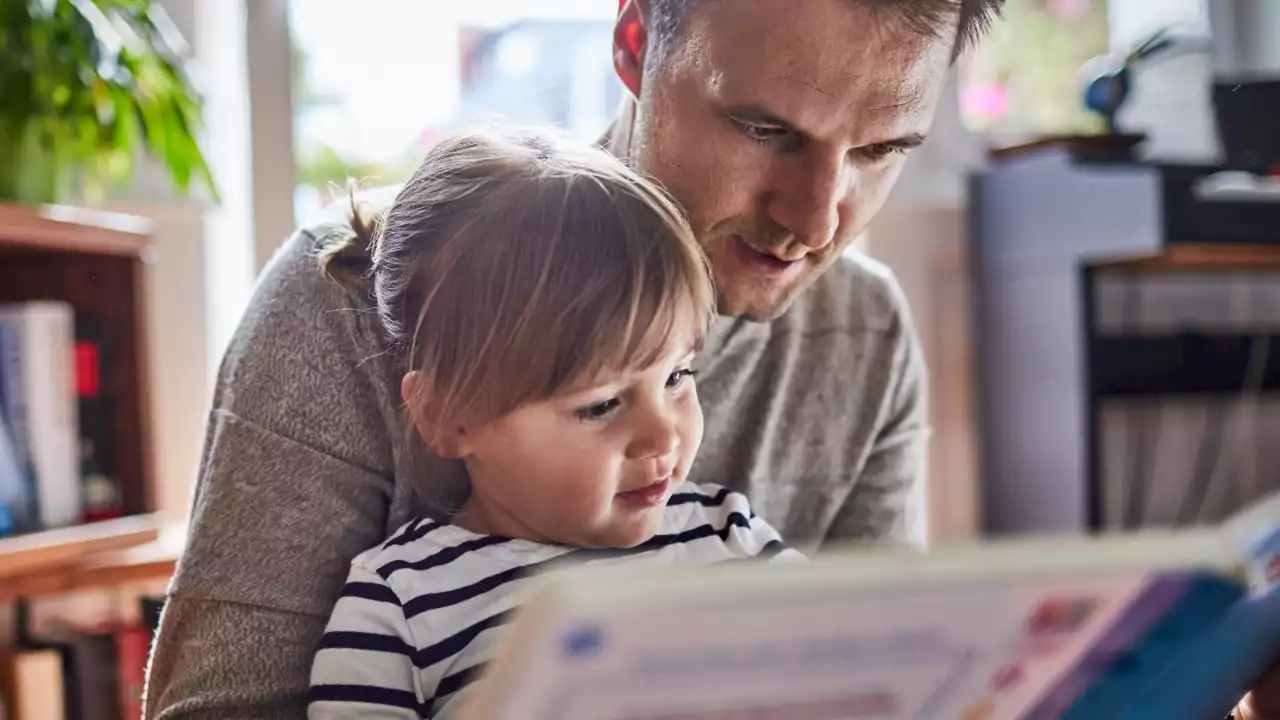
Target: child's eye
pixel 599 411
pixel 678 377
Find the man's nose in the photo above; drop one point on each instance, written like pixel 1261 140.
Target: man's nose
pixel 806 198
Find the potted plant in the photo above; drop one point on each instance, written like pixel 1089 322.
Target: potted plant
pixel 89 88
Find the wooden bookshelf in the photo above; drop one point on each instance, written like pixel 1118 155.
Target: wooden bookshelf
pixel 96 263
pixel 97 555
pixel 65 228
pixel 31 552
pixel 1201 258
pixel 93 261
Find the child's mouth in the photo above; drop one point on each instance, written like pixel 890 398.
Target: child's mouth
pixel 645 497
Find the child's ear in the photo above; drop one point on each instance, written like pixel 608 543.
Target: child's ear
pixel 452 444
pixel 449 442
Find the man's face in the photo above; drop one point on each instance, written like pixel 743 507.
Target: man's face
pixel 781 126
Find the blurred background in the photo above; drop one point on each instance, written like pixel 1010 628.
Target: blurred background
pixel 1093 274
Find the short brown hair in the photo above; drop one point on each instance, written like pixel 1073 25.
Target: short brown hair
pixel 516 263
pixel 968 19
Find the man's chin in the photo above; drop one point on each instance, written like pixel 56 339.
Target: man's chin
pixel 754 307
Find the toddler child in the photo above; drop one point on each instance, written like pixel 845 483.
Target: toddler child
pixel 547 303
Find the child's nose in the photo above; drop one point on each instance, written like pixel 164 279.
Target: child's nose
pixel 658 437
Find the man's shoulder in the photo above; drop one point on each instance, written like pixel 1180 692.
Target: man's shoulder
pixel 295 269
pixel 856 294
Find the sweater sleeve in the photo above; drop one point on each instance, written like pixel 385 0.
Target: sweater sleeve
pixel 294 482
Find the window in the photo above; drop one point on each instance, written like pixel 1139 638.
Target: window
pixel 376 83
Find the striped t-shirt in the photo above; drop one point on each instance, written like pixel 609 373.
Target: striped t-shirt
pixel 420 613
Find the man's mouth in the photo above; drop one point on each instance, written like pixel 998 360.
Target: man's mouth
pixel 763 262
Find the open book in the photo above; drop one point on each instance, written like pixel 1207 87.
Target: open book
pixel 1073 628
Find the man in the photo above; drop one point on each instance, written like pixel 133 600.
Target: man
pixel 780 125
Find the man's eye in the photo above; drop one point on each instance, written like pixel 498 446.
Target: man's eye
pixel 760 133
pixel 876 153
pixel 599 411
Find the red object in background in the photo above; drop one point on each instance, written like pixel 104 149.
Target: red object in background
pixel 88 370
pixel 132 646
pixel 101 495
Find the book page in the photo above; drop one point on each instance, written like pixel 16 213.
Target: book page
pixel 1256 532
pixel 1001 652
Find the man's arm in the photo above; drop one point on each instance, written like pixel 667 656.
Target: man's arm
pixel 294 482
pixel 887 502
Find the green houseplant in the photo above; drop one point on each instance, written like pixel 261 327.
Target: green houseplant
pixel 87 88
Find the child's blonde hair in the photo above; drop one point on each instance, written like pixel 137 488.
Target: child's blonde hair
pixel 516 264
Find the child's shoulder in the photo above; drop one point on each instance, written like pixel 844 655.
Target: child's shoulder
pixel 424 554
pixel 418 546
pixel 411 537
pixel 707 495
pixel 703 499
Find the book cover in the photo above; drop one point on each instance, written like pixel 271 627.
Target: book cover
pixel 17 481
pixel 45 335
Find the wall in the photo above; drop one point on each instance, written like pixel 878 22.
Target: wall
pixel 925 246
pixel 1254 29
pixel 920 235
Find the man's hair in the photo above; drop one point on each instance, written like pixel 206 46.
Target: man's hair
pixel 969 20
pixel 516 264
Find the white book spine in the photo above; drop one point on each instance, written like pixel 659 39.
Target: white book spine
pixel 46 337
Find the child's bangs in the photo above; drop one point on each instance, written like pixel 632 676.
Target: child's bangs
pixel 652 293
pixel 662 315
pixel 622 286
pixel 579 271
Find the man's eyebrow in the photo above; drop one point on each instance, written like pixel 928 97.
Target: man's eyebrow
pixel 904 142
pixel 760 115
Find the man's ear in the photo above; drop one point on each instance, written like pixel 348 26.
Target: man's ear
pixel 630 43
pixel 447 442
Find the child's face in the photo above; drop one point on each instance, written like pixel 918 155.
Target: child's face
pixel 593 467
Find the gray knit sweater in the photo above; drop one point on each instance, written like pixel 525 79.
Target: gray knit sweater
pixel 817 416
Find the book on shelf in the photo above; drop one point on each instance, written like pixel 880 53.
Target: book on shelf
pixel 15 491
pixel 1161 624
pixel 57 465
pixel 40 405
pixel 101 484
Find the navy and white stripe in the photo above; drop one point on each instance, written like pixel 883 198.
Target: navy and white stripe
pixel 420 614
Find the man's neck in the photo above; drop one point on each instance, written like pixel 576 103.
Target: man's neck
pixel 617 137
